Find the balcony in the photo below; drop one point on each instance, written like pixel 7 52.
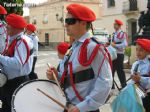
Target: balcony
pixel 130 6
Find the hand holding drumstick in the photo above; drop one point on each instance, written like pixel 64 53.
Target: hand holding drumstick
pixel 52 75
pixel 50 71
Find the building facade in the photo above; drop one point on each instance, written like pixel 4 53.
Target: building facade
pixel 126 10
pixel 49 19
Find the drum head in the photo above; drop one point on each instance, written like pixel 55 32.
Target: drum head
pixel 27 99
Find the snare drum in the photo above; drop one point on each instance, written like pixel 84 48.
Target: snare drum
pixel 26 98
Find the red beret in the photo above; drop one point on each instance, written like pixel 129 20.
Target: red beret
pixel 31 27
pixel 63 47
pixel 144 43
pixel 119 22
pixel 16 21
pixel 2 10
pixel 81 12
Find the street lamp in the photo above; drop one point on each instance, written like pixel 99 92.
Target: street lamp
pixel 61 19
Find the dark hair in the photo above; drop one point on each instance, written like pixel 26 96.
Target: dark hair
pixel 2 17
pixel 88 25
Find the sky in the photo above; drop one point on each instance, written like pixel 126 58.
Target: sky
pixel 30 2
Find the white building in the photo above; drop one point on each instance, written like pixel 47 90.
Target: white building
pixel 49 19
pixel 126 10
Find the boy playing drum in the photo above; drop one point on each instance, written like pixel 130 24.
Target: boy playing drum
pixel 141 69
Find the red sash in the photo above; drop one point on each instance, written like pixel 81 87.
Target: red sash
pixel 85 62
pixel 11 49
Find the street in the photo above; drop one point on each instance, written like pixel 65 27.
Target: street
pixel 45 57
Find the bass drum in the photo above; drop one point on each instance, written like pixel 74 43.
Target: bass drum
pixel 26 98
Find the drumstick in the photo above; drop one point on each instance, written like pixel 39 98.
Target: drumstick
pixel 59 103
pixel 56 81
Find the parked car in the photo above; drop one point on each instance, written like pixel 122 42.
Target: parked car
pixel 101 34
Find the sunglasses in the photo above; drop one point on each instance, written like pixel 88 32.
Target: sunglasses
pixel 71 21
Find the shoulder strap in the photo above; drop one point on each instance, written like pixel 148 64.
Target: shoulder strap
pixel 11 48
pixel 58 68
pixel 120 35
pixel 108 54
pixel 95 40
pixel 136 67
pixel 28 50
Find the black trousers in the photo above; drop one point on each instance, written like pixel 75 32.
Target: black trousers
pixel 8 90
pixel 32 74
pixel 95 111
pixel 89 111
pixel 146 102
pixel 118 66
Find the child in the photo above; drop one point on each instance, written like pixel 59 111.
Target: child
pixel 141 69
pixel 62 49
pixel 30 31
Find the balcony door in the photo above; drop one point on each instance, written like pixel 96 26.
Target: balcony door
pixel 133 5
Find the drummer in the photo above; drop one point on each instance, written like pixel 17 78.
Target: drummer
pixel 31 33
pixel 17 60
pixel 3 32
pixel 141 69
pixel 87 82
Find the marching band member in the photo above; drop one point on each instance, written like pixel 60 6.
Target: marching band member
pixel 3 32
pixel 17 60
pixel 141 69
pixel 87 78
pixel 119 42
pixel 62 49
pixel 30 30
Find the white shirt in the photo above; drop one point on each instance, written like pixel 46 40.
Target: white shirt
pixel 13 66
pixel 143 69
pixel 35 41
pixel 123 41
pixel 3 35
pixel 94 91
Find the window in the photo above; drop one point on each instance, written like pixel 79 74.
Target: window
pixel 111 3
pixel 34 20
pixel 46 39
pixel 45 19
pixel 133 5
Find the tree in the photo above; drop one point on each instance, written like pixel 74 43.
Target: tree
pixel 13 6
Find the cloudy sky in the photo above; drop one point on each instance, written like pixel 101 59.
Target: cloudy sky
pixel 30 2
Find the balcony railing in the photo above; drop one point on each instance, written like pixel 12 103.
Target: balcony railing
pixel 130 6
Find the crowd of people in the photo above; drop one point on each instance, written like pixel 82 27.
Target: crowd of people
pixel 85 71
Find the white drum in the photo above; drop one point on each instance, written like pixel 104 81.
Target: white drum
pixel 27 99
